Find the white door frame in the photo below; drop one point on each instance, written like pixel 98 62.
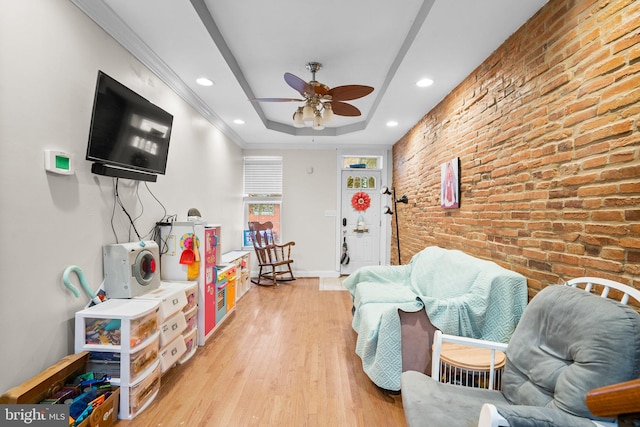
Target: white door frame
pixel 386 174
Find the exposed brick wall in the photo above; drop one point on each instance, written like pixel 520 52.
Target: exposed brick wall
pixel 548 134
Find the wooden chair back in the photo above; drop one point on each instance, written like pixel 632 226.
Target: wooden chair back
pixel 263 241
pixel 274 259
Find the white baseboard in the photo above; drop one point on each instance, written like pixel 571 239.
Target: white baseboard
pixel 308 273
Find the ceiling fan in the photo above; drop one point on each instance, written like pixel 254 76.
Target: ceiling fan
pixel 320 101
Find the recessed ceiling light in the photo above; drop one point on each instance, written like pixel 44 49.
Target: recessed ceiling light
pixel 424 82
pixel 238 121
pixel 392 123
pixel 203 81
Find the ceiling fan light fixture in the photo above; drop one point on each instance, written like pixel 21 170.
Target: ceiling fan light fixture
pixel 317 121
pixel 297 118
pixel 327 114
pixel 307 113
pixel 318 109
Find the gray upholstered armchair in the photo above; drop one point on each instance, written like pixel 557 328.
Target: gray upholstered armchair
pixel 567 343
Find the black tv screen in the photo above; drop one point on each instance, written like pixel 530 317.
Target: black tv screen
pixel 127 130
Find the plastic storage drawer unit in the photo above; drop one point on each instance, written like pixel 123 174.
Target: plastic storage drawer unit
pixel 191 344
pixel 171 328
pixel 191 317
pixel 125 368
pixel 116 325
pixel 137 397
pixel 171 353
pixel 190 290
pixel 171 301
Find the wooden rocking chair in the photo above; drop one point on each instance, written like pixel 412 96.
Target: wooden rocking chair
pixel 274 260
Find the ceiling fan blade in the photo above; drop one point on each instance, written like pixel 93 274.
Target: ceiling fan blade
pixel 276 99
pixel 343 109
pixel 297 83
pixel 349 92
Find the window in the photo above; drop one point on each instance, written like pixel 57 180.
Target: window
pixel 262 192
pixel 349 162
pixel 361 182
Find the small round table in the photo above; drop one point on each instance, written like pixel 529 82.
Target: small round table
pixel 470 366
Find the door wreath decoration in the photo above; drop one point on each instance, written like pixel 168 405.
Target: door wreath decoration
pixel 360 201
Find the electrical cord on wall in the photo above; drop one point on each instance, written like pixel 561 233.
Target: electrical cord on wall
pixel 141 210
pixel 164 244
pixel 113 211
pixel 117 200
pixel 165 217
pixel 155 231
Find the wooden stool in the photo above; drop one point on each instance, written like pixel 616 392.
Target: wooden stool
pixel 470 366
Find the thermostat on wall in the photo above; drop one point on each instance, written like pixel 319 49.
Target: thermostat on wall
pixel 58 162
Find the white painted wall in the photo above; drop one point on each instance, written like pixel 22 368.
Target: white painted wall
pixel 51 53
pixel 308 200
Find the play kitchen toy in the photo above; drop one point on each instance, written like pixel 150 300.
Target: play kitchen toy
pixel 242 261
pixel 177 236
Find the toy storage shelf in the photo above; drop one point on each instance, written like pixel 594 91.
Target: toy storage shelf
pixel 189 344
pixel 137 397
pixel 172 352
pixel 174 238
pixel 171 300
pixel 242 262
pixel 125 333
pixel 124 368
pixel 172 320
pixel 116 325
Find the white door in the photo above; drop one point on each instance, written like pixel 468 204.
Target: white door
pixel 360 220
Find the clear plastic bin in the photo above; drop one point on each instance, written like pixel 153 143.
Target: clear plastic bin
pixel 142 360
pixel 191 344
pixel 136 398
pixel 191 317
pixel 126 368
pixel 116 325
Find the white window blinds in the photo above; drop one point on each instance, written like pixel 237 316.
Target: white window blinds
pixel 262 176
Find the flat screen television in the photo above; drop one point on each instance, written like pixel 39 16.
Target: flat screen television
pixel 128 133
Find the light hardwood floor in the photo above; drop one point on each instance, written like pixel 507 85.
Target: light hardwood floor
pixel 285 357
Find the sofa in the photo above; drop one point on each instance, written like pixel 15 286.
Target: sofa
pixel 461 294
